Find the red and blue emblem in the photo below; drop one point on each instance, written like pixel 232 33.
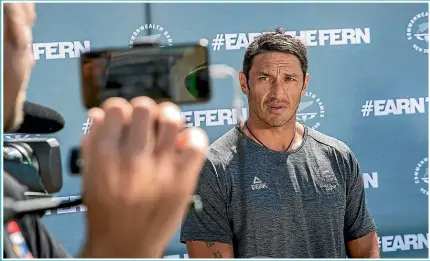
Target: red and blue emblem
pixel 18 242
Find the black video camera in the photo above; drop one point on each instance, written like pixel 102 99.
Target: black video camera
pixel 34 162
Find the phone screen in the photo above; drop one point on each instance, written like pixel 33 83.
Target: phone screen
pixel 174 73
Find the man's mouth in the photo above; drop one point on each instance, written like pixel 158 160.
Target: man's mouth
pixel 277 106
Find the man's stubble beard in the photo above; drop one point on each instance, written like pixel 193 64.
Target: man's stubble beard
pixel 253 110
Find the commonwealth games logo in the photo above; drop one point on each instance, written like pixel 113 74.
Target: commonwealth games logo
pixel 417 32
pixel 159 34
pixel 421 176
pixel 311 110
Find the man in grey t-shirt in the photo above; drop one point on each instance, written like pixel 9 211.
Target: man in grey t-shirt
pixel 273 187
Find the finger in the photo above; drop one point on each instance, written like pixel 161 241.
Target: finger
pixel 87 149
pixel 192 146
pixel 141 138
pixel 169 124
pixel 88 152
pixel 97 116
pixel 117 116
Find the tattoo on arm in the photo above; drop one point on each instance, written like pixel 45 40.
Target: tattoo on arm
pixel 217 254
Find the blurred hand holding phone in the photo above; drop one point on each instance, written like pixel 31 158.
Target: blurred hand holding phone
pixel 140 139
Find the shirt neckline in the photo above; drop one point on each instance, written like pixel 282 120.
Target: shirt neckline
pixel 258 145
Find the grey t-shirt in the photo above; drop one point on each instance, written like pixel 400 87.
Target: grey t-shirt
pixel 306 203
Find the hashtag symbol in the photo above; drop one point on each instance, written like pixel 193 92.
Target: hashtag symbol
pixel 86 127
pixel 218 42
pixel 367 108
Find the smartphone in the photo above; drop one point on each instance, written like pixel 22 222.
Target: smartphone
pixel 178 74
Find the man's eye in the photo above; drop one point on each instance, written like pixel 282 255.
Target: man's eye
pixel 291 79
pixel 263 78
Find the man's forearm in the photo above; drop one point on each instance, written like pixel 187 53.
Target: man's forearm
pixel 202 249
pixel 365 247
pixel 373 253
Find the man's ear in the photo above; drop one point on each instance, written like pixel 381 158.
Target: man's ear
pixel 305 84
pixel 243 83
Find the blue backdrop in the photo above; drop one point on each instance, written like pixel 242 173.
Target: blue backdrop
pixel 368 88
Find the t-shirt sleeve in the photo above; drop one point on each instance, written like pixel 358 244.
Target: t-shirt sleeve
pixel 211 224
pixel 358 219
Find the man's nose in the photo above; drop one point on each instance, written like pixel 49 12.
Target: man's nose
pixel 278 88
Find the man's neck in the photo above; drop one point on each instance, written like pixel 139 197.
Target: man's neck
pixel 275 138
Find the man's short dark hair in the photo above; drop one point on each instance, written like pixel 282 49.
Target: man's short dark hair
pixel 276 41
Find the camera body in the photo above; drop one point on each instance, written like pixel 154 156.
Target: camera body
pixel 34 162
